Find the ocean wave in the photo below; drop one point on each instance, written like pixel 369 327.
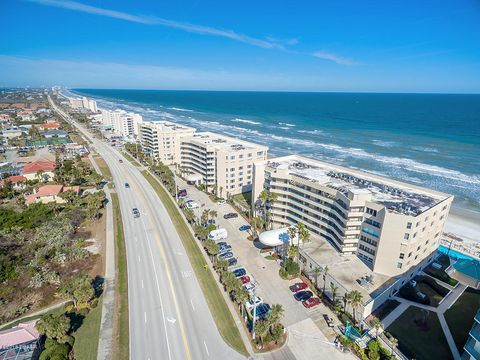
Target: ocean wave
pixel 312 132
pixel 251 122
pixel 286 124
pixel 425 149
pixel 179 109
pixel 384 143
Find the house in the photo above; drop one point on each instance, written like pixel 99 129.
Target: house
pixel 18 181
pixel 14 132
pixel 50 193
pixel 31 170
pixel 50 125
pixel 20 342
pixel 55 133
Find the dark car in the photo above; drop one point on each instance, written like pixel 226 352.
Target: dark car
pixel 298 286
pixel 261 311
pixel 244 228
pixel 222 243
pixel 225 255
pixel 303 295
pixel 232 261
pixel 182 193
pixel 224 248
pixel 312 302
pixel 127 185
pixel 230 215
pixel 120 161
pixel 136 213
pixel 239 272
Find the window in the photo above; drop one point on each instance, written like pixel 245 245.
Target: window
pixel 259 153
pixel 418 247
pixel 426 219
pixel 406 236
pixel 402 256
pixel 240 156
pixel 409 254
pixel 232 157
pixel 249 155
pixel 399 265
pixel 373 223
pixel 414 235
pixel 371 211
pixel 418 223
pixel 423 229
pixel 409 225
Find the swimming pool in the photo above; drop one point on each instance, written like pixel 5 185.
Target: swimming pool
pixel 454 254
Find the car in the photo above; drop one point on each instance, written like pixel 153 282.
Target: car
pixel 192 205
pixel 303 295
pixel 127 185
pixel 261 311
pixel 225 255
pixel 120 161
pixel 224 248
pixel 298 286
pixel 221 202
pixel 245 279
pixel 312 302
pixel 136 213
pixel 231 215
pixel 232 261
pixel 222 243
pixel 249 287
pixel 328 320
pixel 182 192
pixel 244 228
pixel 255 300
pixel 239 272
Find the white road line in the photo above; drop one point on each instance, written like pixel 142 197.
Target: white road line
pixel 142 283
pixel 138 258
pixel 158 291
pixel 206 348
pixel 191 302
pixel 145 315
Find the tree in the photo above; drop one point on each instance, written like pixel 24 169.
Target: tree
pixel 79 289
pixel 316 273
pixel 276 314
pixel 356 300
pixel 54 326
pixel 189 215
pixel 94 204
pixel 261 330
pixel 212 249
pixel 376 324
pixel 325 272
pixel 241 295
pixel 69 196
pixel 221 265
pixel 334 290
pixel 303 233
pixel 40 175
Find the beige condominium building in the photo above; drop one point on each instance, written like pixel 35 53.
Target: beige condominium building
pixel 162 139
pixel 221 163
pixel 391 226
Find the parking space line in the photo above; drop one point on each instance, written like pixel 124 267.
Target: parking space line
pixel 191 302
pixel 206 348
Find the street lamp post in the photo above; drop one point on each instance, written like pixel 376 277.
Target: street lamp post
pixel 254 312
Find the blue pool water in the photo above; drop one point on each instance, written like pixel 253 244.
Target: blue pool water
pixel 454 254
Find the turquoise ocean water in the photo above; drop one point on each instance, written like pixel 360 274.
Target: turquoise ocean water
pixel 425 139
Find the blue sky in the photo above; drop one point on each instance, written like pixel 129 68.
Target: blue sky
pixel 351 45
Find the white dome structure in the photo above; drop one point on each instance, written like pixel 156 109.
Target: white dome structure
pixel 275 237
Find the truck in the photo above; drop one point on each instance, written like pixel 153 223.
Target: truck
pixel 219 234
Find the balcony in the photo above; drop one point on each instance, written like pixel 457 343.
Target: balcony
pixel 470 348
pixel 475 332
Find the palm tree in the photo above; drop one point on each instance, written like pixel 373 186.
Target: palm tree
pixel 316 273
pixel 241 296
pixel 213 214
pixel 345 301
pixel 261 329
pixel 356 300
pixel 292 251
pixel 394 343
pixel 377 325
pixel 276 314
pixel 303 233
pixel 221 265
pixel 212 249
pixel 325 272
pixel 334 290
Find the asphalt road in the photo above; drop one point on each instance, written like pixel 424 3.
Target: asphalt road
pixel 169 317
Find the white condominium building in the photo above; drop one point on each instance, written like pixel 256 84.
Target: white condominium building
pixel 83 103
pixel 391 226
pixel 122 122
pixel 162 139
pixel 222 163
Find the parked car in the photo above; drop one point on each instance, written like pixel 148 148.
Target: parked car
pixel 312 302
pixel 239 272
pixel 127 185
pixel 225 255
pixel 192 205
pixel 219 234
pixel 182 192
pixel 136 213
pixel 245 279
pixel 244 228
pixel 222 243
pixel 255 300
pixel 249 287
pixel 261 311
pixel 328 320
pixel 303 295
pixel 232 261
pixel 221 202
pixel 224 248
pixel 231 215
pixel 298 286
pixel 120 161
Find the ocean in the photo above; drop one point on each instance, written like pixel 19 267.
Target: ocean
pixel 431 140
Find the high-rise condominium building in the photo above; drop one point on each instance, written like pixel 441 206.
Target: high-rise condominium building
pixel 162 139
pixel 222 163
pixel 122 122
pixel 472 347
pixel 84 103
pixel 391 226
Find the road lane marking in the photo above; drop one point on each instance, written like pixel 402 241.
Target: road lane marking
pixel 145 315
pixel 142 283
pixel 206 348
pixel 191 302
pixel 138 258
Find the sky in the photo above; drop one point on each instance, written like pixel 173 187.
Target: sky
pixel 332 45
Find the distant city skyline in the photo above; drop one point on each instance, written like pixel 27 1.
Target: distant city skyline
pixel 431 46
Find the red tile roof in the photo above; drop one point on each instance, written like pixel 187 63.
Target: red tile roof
pixel 50 125
pixel 37 166
pixel 14 179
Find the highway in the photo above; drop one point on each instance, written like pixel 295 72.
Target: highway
pixel 169 316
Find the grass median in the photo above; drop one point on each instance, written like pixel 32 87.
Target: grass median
pixel 218 307
pixel 131 159
pixel 120 329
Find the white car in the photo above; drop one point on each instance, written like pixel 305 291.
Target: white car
pixel 250 287
pixel 221 202
pixel 256 300
pixel 192 205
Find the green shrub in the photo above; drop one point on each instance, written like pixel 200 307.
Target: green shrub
pixel 291 267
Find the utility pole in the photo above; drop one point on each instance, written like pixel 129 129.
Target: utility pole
pixel 254 311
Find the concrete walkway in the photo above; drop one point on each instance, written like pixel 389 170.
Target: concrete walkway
pixel 38 312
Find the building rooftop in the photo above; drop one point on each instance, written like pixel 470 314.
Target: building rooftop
pixel 20 334
pixel 394 195
pixel 39 165
pixel 348 270
pixel 164 125
pixel 224 142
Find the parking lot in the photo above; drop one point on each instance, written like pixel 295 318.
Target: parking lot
pixel 270 286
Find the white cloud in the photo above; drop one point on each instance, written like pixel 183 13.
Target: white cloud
pixel 148 20
pixel 326 55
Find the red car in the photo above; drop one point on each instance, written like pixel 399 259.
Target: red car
pixel 313 301
pixel 298 286
pixel 245 279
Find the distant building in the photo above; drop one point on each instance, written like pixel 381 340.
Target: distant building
pixel 55 133
pixel 83 103
pixel 50 125
pixel 20 342
pixel 31 170
pixel 472 347
pixel 122 122
pixel 50 193
pixel 162 139
pixel 18 181
pixel 13 132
